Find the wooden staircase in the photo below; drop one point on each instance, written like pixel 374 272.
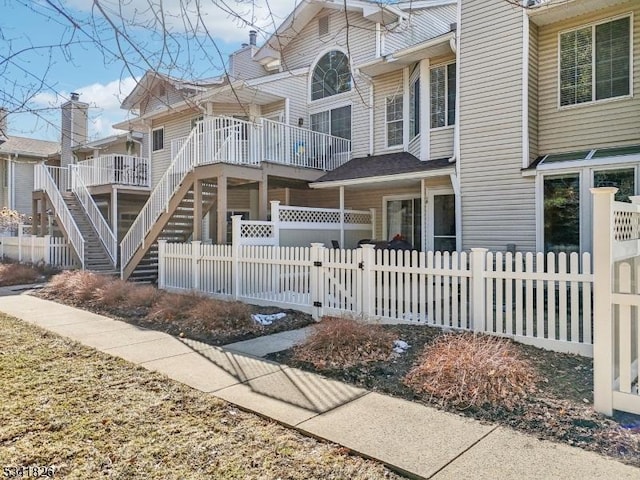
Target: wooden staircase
pixel 96 257
pixel 174 225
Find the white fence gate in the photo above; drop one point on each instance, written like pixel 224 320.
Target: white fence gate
pixel 616 248
pixel 541 300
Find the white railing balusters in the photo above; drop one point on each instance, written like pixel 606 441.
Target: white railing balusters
pixel 44 180
pixel 106 235
pixel 115 169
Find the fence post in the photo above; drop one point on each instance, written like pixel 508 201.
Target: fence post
pixel 275 220
pixel 478 297
pixel 373 222
pixel 20 243
pixel 368 283
pixel 47 250
pixel 315 282
pixel 603 354
pixel 195 265
pixel 235 255
pixel 162 251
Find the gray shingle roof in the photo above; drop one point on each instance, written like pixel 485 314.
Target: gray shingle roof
pixel 381 165
pixel 29 146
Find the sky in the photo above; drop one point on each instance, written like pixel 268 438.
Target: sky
pixel 49 48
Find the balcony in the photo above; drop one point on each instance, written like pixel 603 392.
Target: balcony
pixel 238 142
pixel 115 169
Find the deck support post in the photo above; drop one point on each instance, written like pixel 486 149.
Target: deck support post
pixel 222 210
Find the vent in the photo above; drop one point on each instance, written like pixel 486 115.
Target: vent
pixel 323 26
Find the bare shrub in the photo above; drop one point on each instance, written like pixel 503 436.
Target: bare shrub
pixel 467 370
pixel 171 307
pixel 114 294
pixel 141 296
pixel 78 286
pixel 345 342
pixel 16 274
pixel 211 314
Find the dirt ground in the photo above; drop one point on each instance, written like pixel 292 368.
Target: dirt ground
pixel 561 409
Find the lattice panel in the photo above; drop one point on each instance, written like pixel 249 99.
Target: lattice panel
pixel 626 226
pixel 252 230
pixel 309 216
pixel 357 218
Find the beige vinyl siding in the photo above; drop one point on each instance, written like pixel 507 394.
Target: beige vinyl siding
pixel 242 66
pixel 294 88
pixel 272 108
pixel 176 126
pixel 442 142
pixel 414 146
pixel 304 49
pixel 423 24
pixel 154 101
pixel 600 124
pixel 385 86
pixel 498 204
pixel 23 186
pixel 533 91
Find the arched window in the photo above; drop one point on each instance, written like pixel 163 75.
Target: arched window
pixel 331 75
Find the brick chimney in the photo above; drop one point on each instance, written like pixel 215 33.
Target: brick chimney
pixel 74 127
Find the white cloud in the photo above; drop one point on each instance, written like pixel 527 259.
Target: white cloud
pixel 226 20
pixel 104 103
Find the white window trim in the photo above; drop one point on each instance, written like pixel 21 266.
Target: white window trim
pixel 400 145
pixel 593 56
pixel 163 139
pixel 586 174
pixel 333 107
pixel 430 216
pixel 446 95
pixel 391 198
pixel 313 67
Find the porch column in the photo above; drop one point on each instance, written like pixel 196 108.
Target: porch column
pixel 34 216
pixel 222 210
pixel 114 211
pixel 423 214
pixel 43 215
pixel 263 197
pixel 342 217
pixel 197 210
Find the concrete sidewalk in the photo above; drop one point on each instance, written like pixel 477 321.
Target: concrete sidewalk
pixel 412 438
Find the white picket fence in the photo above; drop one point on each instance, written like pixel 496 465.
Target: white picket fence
pixel 616 249
pixel 536 299
pixel 49 250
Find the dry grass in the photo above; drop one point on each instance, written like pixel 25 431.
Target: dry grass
pixel 172 307
pixel 343 343
pixel 77 286
pixel 17 274
pixel 141 296
pixel 466 370
pixel 95 416
pixel 113 294
pixel 210 314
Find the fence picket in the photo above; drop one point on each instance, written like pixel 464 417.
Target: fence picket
pixel 529 295
pixel 562 295
pixel 519 305
pixel 490 304
pixel 508 292
pixel 624 335
pixel 551 298
pixel 575 300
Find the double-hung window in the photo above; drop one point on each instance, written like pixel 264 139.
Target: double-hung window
pixel 414 108
pixel 394 121
pixel 595 62
pixel 443 95
pixel 157 139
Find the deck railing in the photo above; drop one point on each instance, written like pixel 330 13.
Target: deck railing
pixel 115 169
pixel 51 180
pixel 106 235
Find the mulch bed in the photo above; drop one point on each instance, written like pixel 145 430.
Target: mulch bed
pixel 138 317
pixel 561 409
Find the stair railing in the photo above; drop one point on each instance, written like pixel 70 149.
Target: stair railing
pixel 202 146
pixel 106 235
pixel 44 180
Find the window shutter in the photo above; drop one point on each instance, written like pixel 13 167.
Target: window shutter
pixel 451 94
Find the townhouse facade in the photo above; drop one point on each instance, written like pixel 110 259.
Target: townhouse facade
pixel 460 123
